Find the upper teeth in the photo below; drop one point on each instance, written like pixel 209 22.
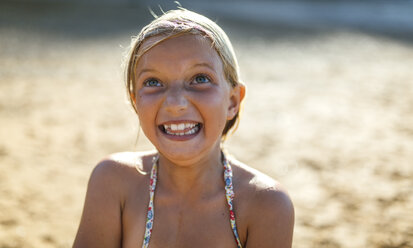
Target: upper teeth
pixel 179 127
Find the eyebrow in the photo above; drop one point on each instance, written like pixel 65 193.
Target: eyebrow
pixel 146 70
pixel 203 64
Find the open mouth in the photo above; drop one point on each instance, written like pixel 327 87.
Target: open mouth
pixel 181 129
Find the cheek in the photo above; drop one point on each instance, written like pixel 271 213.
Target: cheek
pixel 146 108
pixel 146 100
pixel 214 102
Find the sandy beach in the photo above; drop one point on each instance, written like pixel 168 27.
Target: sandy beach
pixel 328 113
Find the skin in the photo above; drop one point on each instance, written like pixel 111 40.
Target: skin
pixel 182 79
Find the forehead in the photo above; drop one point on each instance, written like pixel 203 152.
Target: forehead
pixel 185 48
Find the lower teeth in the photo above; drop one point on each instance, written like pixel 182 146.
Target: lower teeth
pixel 192 131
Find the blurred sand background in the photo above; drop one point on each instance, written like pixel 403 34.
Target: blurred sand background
pixel 329 113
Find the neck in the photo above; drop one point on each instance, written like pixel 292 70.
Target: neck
pixel 199 176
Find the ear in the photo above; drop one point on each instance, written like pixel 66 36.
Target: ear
pixel 133 98
pixel 237 95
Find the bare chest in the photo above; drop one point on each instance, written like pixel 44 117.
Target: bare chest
pixel 179 223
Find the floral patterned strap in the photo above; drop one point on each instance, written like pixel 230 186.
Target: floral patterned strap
pixel 229 191
pixel 150 215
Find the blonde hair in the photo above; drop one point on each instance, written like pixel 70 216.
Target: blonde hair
pixel 175 23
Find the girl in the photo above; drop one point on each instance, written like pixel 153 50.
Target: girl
pixel 183 83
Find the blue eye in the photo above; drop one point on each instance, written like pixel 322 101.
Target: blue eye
pixel 152 82
pixel 201 79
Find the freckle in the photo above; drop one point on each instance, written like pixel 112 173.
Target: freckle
pixel 180 217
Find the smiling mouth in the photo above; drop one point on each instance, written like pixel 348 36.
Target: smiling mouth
pixel 181 129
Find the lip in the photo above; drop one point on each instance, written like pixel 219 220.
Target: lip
pixel 179 137
pixel 177 121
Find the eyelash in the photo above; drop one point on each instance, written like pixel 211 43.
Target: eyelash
pixel 201 75
pixel 146 82
pixel 193 81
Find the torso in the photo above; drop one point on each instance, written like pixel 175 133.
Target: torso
pixel 178 222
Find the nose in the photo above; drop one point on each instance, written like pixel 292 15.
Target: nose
pixel 176 100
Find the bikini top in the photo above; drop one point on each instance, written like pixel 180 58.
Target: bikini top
pixel 229 192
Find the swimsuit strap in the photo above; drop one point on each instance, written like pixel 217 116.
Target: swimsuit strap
pixel 229 192
pixel 150 215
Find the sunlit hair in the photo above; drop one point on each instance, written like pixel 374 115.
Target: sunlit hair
pixel 175 23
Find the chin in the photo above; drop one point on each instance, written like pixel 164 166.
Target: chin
pixel 187 155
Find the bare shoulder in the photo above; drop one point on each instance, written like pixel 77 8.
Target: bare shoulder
pixel 117 168
pixel 128 160
pixel 108 187
pixel 270 211
pixel 265 190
